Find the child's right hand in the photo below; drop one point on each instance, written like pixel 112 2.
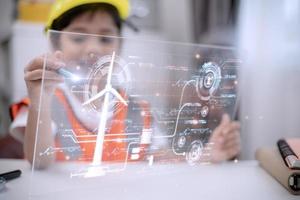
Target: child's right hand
pixel 33 74
pixel 225 141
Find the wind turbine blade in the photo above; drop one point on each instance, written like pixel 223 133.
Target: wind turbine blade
pixel 98 95
pixel 116 94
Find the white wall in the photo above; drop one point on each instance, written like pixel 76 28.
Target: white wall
pixel 270 46
pixel 176 22
pixel 28 41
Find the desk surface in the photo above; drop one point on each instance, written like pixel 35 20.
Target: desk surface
pixel 242 180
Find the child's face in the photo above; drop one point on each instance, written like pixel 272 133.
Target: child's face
pixel 89 48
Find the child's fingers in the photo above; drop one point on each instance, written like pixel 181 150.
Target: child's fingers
pixel 224 123
pixel 234 135
pixel 225 119
pixel 216 135
pixel 38 63
pixel 230 149
pixel 53 76
pixel 230 127
pixel 39 73
pixel 228 132
pixel 233 151
pixel 233 140
pixel 231 132
pixel 220 133
pixel 34 64
pixel 58 57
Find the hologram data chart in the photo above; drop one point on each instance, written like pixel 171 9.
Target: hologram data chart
pixel 134 100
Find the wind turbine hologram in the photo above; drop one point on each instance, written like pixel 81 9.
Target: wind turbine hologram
pixel 106 92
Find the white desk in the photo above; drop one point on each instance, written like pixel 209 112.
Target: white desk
pixel 244 180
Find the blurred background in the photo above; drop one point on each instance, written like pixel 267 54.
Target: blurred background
pixel 266 34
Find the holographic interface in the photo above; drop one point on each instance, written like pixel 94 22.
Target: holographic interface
pixel 126 101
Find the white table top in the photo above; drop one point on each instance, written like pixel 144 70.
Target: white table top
pixel 242 180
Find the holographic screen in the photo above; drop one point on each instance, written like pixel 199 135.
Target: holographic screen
pixel 123 102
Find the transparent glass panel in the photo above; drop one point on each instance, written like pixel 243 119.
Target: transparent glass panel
pixel 115 112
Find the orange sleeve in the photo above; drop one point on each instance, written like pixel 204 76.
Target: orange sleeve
pixel 16 107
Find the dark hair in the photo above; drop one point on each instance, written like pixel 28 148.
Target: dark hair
pixel 65 19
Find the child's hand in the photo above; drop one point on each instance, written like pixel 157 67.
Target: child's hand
pixel 224 143
pixel 33 74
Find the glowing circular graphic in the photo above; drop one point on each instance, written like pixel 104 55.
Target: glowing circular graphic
pixel 181 141
pixel 97 79
pixel 209 80
pixel 194 152
pixel 204 111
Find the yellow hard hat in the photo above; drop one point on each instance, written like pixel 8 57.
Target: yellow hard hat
pixel 62 6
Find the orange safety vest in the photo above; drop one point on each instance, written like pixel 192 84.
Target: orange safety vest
pixel 15 108
pixel 115 147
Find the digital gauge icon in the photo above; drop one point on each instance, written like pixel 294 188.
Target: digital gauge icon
pixel 208 80
pixel 97 78
pixel 204 111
